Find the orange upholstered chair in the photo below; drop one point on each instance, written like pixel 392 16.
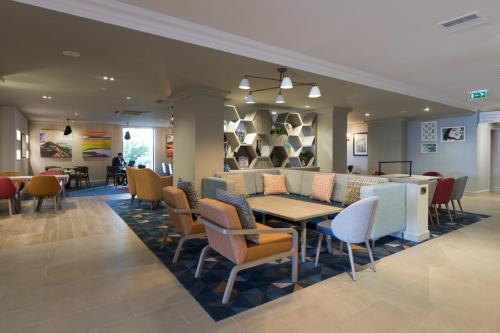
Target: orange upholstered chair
pixel 226 236
pixel 41 187
pixel 181 218
pixel 149 185
pixel 132 189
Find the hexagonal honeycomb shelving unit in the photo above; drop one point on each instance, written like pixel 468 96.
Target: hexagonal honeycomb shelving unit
pixel 294 147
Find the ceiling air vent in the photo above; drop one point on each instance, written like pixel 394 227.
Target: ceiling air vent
pixel 463 22
pixel 133 113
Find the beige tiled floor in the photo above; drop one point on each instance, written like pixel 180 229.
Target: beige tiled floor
pixel 84 271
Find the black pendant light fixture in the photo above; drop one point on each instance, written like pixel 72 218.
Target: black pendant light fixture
pixel 172 117
pixel 68 130
pixel 127 134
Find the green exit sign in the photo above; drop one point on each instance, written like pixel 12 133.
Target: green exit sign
pixel 478 94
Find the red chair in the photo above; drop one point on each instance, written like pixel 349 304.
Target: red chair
pixel 433 174
pixel 442 196
pixel 8 191
pixel 378 173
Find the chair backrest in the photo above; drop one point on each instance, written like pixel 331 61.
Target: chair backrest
pixel 148 184
pixel 378 173
pixel 431 190
pixel 443 192
pixel 43 186
pixel 354 224
pixel 82 170
pixel 163 168
pixel 459 188
pixel 51 173
pixel 7 188
pixel 110 169
pixel 132 189
pixel 233 247
pixel 176 198
pixel 432 173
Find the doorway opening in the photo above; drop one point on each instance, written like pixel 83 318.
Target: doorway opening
pixel 140 147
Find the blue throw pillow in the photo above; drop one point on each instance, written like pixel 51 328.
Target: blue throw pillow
pixel 245 214
pixel 191 193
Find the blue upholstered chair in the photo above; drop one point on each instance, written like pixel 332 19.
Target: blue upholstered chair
pixel 353 225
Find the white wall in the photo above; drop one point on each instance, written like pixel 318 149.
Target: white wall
pixel 387 142
pixel 11 119
pixel 360 163
pixel 97 166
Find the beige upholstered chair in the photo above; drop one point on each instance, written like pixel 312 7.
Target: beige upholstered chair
pixel 181 218
pixel 131 183
pixel 226 237
pixel 149 185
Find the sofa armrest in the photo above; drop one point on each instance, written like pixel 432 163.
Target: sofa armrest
pixel 209 186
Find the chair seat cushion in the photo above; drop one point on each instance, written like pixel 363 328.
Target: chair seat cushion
pixel 197 228
pixel 269 244
pixel 325 227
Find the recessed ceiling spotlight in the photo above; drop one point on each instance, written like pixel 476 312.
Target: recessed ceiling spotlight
pixel 76 113
pixel 307 106
pixel 46 97
pixel 128 97
pixel 274 112
pixel 426 109
pixel 71 54
pixel 403 111
pixel 367 114
pixel 103 88
pixel 108 78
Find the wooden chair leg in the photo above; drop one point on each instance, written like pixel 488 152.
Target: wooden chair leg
pixel 454 209
pixel 351 259
pixel 430 215
pixel 318 249
pixel 449 213
pixel 371 255
pixel 460 205
pixel 437 215
pixel 10 207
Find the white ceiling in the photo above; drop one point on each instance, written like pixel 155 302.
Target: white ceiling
pixel 148 68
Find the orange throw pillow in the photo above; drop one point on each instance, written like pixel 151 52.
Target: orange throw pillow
pixel 274 184
pixel 322 186
pixel 239 183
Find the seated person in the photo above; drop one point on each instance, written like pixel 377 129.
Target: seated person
pixel 118 160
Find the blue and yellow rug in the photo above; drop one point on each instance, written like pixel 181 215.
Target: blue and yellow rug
pixel 259 285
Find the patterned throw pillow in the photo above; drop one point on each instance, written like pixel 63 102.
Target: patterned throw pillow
pixel 274 184
pixel 191 193
pixel 247 219
pixel 239 183
pixel 354 186
pixel 322 186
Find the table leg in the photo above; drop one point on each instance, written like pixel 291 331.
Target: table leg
pixel 303 246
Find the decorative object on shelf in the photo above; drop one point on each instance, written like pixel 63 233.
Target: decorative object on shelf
pixel 360 144
pixel 54 144
pixel 96 144
pixel 428 131
pixel 453 134
pixel 68 130
pixel 278 131
pixel 243 162
pixel 428 148
pixel 258 147
pixel 285 82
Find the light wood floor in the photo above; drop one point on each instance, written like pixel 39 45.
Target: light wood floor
pixel 83 270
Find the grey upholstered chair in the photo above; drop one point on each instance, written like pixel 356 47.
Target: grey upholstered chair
pixel 458 193
pixel 353 225
pixel 430 194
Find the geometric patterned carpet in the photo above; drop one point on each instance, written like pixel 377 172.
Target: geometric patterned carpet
pixel 259 285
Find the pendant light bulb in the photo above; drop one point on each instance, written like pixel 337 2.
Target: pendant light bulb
pixel 280 99
pixel 250 99
pixel 244 84
pixel 68 130
pixel 314 92
pixel 286 83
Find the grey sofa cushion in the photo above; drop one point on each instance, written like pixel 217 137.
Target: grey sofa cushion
pixel 247 219
pixel 293 180
pixel 340 187
pixel 306 184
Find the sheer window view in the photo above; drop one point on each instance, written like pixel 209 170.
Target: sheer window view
pixel 140 147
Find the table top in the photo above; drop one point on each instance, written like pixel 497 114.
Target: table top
pixel 29 177
pixel 416 179
pixel 290 209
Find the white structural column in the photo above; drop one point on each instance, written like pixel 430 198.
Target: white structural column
pixel 198 134
pixel 417 229
pixel 331 140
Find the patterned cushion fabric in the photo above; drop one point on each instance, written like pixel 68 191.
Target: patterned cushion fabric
pixel 322 186
pixel 354 186
pixel 274 184
pixel 239 182
pixel 191 193
pixel 245 214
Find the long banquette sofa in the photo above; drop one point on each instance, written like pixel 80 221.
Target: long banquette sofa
pixel 391 213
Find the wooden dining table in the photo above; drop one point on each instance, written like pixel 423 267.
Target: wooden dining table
pixel 292 210
pixel 28 178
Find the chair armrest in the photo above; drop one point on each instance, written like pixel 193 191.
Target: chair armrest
pixel 183 210
pixel 234 232
pixel 166 181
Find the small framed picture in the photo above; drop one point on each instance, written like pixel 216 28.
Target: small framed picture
pixel 428 148
pixel 360 144
pixel 453 134
pixel 428 131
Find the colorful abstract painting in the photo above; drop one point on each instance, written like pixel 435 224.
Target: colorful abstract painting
pixel 96 144
pixel 54 144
